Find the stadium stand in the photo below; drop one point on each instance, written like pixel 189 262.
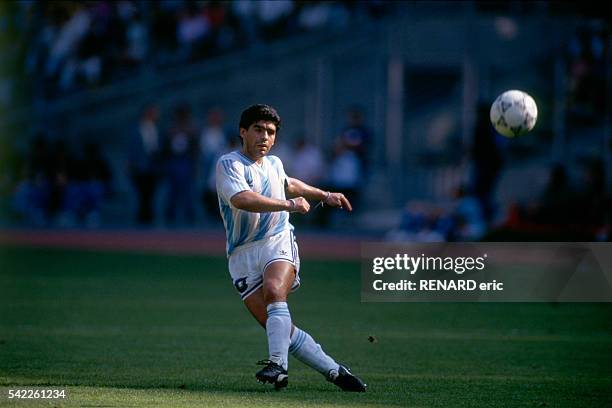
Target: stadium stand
pixel 91 67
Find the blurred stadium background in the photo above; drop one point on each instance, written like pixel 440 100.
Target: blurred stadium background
pixel 387 101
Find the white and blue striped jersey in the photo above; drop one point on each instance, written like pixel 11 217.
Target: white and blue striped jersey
pixel 237 173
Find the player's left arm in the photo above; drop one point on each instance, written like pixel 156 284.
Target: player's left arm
pixel 297 188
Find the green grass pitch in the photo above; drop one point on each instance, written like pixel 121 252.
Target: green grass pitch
pixel 142 330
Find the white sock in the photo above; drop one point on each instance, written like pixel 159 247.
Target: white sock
pixel 304 348
pixel 278 328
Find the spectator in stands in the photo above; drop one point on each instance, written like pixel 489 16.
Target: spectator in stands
pixel 214 142
pixel 465 221
pixel 66 195
pixel 144 162
pixel 587 51
pixel 64 171
pixel 223 28
pixel 554 207
pixel 31 199
pixel 246 24
pixel 487 162
pixel 565 212
pixel 460 219
pixel 210 198
pixel 284 151
pixel 321 14
pixel 98 183
pixel 72 44
pixel 85 66
pixel 163 23
pixel 193 32
pixel 346 173
pixel 136 33
pixel 593 207
pixel 64 40
pixel 307 162
pixel 345 176
pixel 181 151
pixel 273 17
pixel 27 202
pixel 419 222
pixel 356 136
pixel 87 187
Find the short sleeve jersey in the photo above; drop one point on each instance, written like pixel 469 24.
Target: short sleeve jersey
pixel 236 173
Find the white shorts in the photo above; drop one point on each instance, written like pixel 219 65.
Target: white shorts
pixel 248 262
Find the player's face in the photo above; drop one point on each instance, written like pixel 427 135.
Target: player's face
pixel 258 139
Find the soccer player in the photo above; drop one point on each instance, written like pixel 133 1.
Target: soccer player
pixel 255 199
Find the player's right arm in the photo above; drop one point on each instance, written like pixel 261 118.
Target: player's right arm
pixel 254 202
pixel 234 189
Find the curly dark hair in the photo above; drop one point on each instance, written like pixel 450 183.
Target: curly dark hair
pixel 255 113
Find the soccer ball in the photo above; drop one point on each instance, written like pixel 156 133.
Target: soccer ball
pixel 513 113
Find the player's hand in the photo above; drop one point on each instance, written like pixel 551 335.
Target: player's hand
pixel 301 205
pixel 338 200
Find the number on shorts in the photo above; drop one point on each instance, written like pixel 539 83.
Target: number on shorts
pixel 240 284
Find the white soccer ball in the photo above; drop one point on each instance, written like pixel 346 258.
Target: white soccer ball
pixel 514 113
